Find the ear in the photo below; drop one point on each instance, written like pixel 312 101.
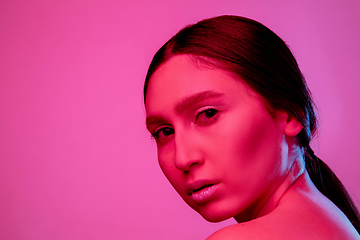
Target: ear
pixel 292 127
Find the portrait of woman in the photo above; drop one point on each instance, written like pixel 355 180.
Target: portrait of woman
pixel 233 119
pixel 173 120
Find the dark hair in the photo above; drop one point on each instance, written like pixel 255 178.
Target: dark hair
pixel 262 59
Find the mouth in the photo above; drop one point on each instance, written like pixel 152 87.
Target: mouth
pixel 201 191
pixel 201 188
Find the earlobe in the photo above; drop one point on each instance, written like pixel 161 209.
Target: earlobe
pixel 293 126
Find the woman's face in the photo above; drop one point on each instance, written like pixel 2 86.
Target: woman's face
pixel 217 143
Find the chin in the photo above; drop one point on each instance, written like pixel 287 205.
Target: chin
pixel 214 218
pixel 213 215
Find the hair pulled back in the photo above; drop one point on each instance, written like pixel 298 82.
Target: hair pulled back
pixel 261 59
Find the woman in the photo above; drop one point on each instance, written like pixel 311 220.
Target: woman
pixel 233 118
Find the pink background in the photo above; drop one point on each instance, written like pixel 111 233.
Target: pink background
pixel 75 159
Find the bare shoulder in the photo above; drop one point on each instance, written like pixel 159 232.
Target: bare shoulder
pixel 283 229
pixel 242 231
pixel 267 227
pixel 293 226
pixel 298 216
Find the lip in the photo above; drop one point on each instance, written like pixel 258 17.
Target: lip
pixel 201 190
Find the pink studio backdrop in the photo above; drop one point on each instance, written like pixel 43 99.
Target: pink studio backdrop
pixel 75 159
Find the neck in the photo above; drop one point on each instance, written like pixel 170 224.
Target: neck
pixel 297 169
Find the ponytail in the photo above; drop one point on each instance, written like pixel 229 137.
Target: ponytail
pixel 328 184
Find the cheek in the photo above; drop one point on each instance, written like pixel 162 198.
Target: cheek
pixel 173 175
pixel 165 161
pixel 252 146
pixel 167 165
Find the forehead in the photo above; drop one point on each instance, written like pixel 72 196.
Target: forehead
pixel 181 77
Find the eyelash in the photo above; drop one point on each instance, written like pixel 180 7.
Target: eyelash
pixel 156 133
pixel 208 120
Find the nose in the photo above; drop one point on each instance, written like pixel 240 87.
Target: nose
pixel 187 152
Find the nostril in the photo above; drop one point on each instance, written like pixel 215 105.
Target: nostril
pixel 186 171
pixel 186 165
pixel 192 164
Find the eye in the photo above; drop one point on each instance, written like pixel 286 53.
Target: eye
pixel 206 116
pixel 162 133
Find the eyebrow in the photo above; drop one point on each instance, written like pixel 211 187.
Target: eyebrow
pixel 185 103
pixel 153 119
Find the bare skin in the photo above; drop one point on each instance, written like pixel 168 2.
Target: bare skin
pixel 302 213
